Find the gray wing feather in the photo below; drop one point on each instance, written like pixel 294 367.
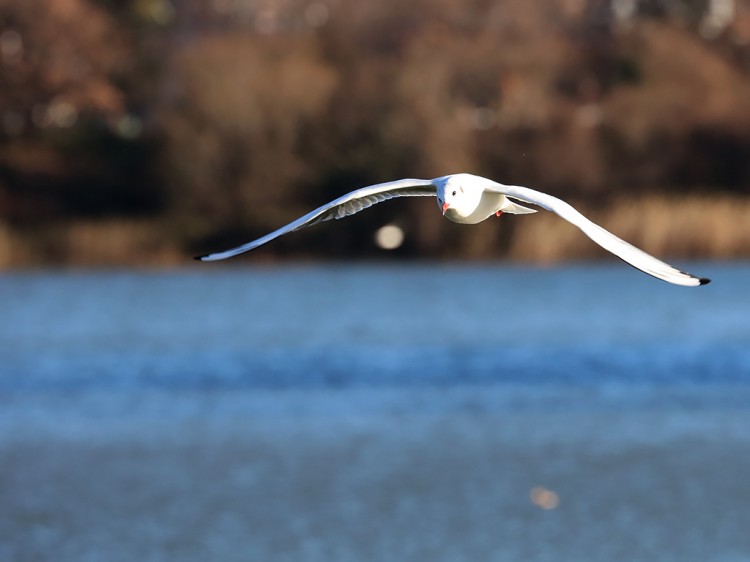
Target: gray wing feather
pixel 344 206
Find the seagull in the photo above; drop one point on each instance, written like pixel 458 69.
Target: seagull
pixel 470 199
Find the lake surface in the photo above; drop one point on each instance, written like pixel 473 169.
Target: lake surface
pixel 375 412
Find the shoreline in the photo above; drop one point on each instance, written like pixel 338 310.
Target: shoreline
pixel 695 227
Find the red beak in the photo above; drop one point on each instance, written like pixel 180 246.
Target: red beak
pixel 445 207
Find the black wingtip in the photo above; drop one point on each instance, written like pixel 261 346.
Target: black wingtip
pixel 704 281
pixel 200 258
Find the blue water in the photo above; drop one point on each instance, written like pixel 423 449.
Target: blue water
pixel 374 412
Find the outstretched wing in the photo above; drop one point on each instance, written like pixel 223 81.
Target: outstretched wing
pixel 339 208
pixel 623 250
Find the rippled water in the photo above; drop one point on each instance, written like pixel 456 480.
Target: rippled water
pixel 374 413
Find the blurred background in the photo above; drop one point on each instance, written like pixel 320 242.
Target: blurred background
pixel 162 128
pixel 331 397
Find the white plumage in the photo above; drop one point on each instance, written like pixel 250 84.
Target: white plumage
pixel 469 199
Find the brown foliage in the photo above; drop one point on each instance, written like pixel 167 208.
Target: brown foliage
pixel 52 54
pixel 223 119
pixel 234 129
pixel 62 67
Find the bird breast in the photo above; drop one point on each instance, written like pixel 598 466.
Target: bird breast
pixel 489 204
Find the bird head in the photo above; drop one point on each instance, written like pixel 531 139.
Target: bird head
pixel 458 196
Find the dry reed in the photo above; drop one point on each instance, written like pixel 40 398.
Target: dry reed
pixel 692 227
pixel 695 226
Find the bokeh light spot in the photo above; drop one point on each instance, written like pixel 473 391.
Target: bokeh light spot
pixel 544 498
pixel 389 237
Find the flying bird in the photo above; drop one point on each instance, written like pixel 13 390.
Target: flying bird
pixel 470 199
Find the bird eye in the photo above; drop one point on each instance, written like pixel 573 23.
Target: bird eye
pixel 454 194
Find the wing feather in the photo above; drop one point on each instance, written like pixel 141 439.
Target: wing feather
pixel 344 206
pixel 623 250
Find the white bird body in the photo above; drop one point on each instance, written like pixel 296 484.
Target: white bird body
pixel 472 203
pixel 470 199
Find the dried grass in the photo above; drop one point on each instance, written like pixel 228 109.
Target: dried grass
pixel 696 226
pixel 90 243
pixel 690 227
